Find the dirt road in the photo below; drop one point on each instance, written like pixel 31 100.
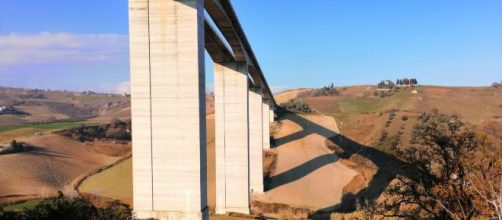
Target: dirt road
pixel 307 173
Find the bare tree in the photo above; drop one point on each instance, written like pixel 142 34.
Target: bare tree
pixel 451 160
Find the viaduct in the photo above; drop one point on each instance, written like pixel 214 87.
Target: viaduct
pixel 167 43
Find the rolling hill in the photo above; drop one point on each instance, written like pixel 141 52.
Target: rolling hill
pixel 362 116
pixel 49 106
pixel 54 164
pixel 324 161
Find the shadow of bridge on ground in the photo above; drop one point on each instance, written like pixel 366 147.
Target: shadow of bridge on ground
pixel 388 166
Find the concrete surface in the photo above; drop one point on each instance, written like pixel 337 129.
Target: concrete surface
pixel 232 138
pixel 255 142
pixel 168 110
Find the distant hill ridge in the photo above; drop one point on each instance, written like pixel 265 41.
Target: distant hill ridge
pixel 49 105
pixel 363 116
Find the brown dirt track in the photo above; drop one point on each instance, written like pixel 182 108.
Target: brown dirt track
pixel 307 173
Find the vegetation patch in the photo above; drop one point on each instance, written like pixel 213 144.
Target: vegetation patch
pixel 329 90
pixel 269 163
pixel 15 147
pixel 387 88
pixel 297 106
pixel 458 173
pixel 10 110
pixel 30 204
pixel 497 84
pixel 45 126
pixel 71 209
pixel 326 91
pixel 280 211
pixel 115 130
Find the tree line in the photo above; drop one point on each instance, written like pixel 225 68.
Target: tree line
pixel 406 82
pixel 388 84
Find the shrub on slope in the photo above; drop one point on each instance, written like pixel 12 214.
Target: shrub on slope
pixel 70 209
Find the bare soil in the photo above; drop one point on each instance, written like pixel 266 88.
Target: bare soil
pixel 307 174
pixel 55 165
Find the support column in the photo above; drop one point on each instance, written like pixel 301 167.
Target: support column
pixel 266 125
pixel 271 114
pixel 232 137
pixel 168 109
pixel 256 141
pixel 140 108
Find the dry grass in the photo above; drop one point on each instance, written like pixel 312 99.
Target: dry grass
pixel 211 163
pixel 287 95
pixel 7 136
pixel 269 162
pixel 45 106
pixel 115 182
pixel 111 148
pixel 300 193
pixel 307 174
pixel 358 215
pixel 280 211
pixel 57 164
pixel 362 116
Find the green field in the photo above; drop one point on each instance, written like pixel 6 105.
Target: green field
pixel 9 132
pixel 45 126
pixel 114 182
pixel 21 206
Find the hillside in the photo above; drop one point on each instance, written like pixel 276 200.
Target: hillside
pixel 307 174
pixel 105 183
pixel 362 116
pixel 322 161
pixel 370 126
pixel 41 106
pixel 48 106
pixel 54 164
pixel 307 159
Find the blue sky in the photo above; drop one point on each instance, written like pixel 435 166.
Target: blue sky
pixel 82 44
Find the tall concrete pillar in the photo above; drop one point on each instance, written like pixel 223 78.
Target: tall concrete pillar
pixel 255 141
pixel 232 137
pixel 271 114
pixel 140 107
pixel 168 109
pixel 266 125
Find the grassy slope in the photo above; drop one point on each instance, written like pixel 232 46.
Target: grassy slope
pixel 21 206
pixel 362 116
pixel 359 113
pixel 45 106
pixel 9 132
pixel 120 185
pixel 44 126
pixel 116 182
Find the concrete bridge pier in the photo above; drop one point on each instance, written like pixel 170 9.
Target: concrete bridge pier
pixel 256 141
pixel 168 109
pixel 232 137
pixel 271 114
pixel 167 43
pixel 266 124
